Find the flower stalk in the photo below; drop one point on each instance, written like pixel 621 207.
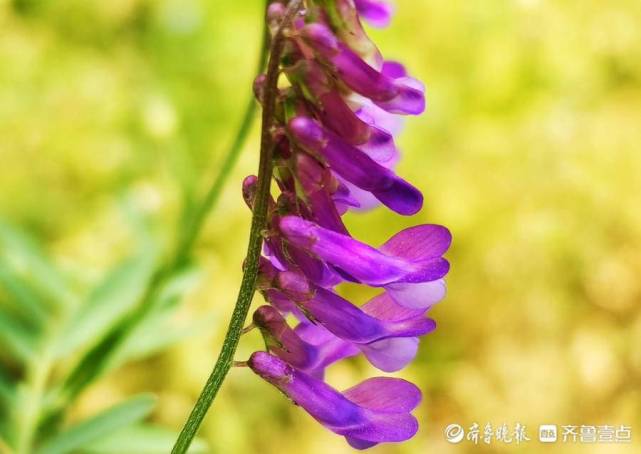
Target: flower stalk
pixel 259 222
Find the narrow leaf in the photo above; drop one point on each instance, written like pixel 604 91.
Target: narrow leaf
pixel 7 390
pixel 14 338
pixel 178 285
pixel 141 439
pixel 97 427
pixel 7 402
pixel 145 340
pixel 24 298
pixel 108 303
pixel 23 255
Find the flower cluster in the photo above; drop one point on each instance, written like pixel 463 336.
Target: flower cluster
pixel 336 119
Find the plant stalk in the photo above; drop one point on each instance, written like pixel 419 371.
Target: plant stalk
pixel 259 221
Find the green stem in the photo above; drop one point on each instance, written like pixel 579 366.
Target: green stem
pixel 259 222
pixel 34 392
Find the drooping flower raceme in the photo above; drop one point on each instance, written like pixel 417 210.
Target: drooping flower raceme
pixel 336 123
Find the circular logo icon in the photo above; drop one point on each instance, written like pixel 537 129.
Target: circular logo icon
pixel 454 433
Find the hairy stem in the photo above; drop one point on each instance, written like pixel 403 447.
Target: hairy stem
pixel 259 221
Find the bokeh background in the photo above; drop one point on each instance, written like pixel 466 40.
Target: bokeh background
pixel 529 153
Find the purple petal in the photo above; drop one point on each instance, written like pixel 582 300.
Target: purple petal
pixel 359 260
pixel 391 355
pixel 338 116
pixel 330 348
pixel 375 116
pixel 399 96
pixel 276 257
pixel 269 253
pixel 317 271
pixel 384 427
pixel 419 242
pixel 393 95
pixel 275 13
pixel 288 256
pixel 358 75
pixel 384 307
pixel 324 40
pixel 357 167
pixel 418 296
pixel 323 403
pixel 360 200
pixel 362 262
pixel 332 409
pixel 334 111
pixel 350 323
pixel 282 340
pixel 400 196
pixel 410 97
pixel 347 22
pixel 315 181
pixel 360 444
pixel 295 285
pixel 284 305
pixel 385 394
pixel 250 185
pixel 381 148
pixel 342 197
pixel 394 69
pixel 427 271
pixel 314 334
pixel 289 344
pixel 378 13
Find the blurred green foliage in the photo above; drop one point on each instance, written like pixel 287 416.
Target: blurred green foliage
pixel 528 152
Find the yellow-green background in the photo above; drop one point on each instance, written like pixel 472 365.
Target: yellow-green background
pixel 529 153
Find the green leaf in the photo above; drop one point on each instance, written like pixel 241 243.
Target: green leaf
pixel 108 303
pixel 177 285
pixel 24 298
pixel 14 338
pixel 7 402
pixel 142 439
pixel 22 254
pixel 145 339
pixel 7 390
pixel 99 426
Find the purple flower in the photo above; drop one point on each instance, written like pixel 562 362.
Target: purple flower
pixel 356 166
pixel 386 332
pixel 375 411
pixel 344 319
pixel 412 256
pixel 308 348
pixel 377 12
pixel 396 95
pixel 335 150
pixel 317 183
